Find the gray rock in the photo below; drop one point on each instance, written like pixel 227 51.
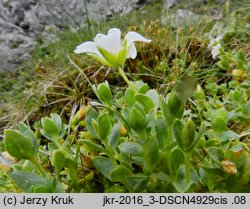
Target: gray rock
pixel 184 16
pixel 21 21
pixel 167 4
pixel 181 18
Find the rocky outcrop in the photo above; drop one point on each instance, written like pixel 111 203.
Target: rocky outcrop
pixel 21 21
pixel 167 4
pixel 183 15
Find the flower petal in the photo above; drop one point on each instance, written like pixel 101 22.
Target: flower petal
pixel 98 37
pixel 215 51
pixel 114 35
pixel 110 42
pixel 87 47
pixel 132 53
pixel 90 48
pixel 132 36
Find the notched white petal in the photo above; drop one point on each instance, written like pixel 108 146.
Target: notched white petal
pixel 133 36
pixel 132 53
pixel 115 31
pixel 87 47
pixel 114 40
pixel 110 42
pixel 99 36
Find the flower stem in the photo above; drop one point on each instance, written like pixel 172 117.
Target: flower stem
pixel 58 143
pixel 169 143
pixel 111 156
pixel 35 162
pixel 188 168
pixel 125 78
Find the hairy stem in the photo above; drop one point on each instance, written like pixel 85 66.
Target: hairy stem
pixel 169 143
pixel 35 162
pixel 125 78
pixel 188 168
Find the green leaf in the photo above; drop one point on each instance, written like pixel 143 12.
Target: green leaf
pixel 219 124
pixel 163 106
pixel 161 131
pixel 199 135
pixel 95 126
pixel 52 146
pixel 222 112
pixel 140 108
pixel 227 135
pixel 213 171
pixel 154 96
pixel 58 160
pixel 181 184
pixel 50 128
pixel 91 115
pixel 63 131
pixel 151 154
pixel 92 145
pixel 120 173
pixel 25 180
pixel 104 126
pixel 141 86
pixel 53 185
pixel 114 136
pixel 104 93
pixel 137 120
pixel 216 154
pixel 46 135
pixel 137 182
pixel 19 146
pixel 163 177
pixel 57 120
pixel 26 131
pixel 116 188
pixel 130 97
pixel 40 189
pixel 147 102
pixel 175 108
pixel 188 135
pixel 104 166
pixel 177 130
pixel 177 158
pixel 70 164
pixel 199 93
pixel 131 148
pixel 138 160
pixel 241 60
pixel 212 143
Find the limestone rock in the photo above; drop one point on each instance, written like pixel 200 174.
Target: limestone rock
pixel 21 21
pixel 167 4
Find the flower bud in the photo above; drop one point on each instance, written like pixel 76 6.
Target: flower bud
pixel 229 167
pixel 175 108
pixel 104 93
pixel 184 134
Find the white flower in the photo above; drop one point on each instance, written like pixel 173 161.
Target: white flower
pixel 215 46
pixel 215 41
pixel 110 49
pixel 215 50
